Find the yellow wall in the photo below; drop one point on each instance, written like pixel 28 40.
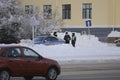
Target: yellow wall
pixel 104 12
pixel 117 10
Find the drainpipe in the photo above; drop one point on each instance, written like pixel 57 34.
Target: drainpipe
pixel 113 14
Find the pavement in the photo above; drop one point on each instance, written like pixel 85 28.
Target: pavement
pixel 90 70
pixel 85 65
pixel 87 70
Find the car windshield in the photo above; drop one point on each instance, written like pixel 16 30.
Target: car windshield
pixel 40 38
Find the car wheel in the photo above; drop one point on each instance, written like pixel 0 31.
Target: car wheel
pixel 4 75
pixel 28 78
pixel 52 74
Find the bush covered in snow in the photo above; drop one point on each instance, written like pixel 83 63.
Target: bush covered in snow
pixel 14 20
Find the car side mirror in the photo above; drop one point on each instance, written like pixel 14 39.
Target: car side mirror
pixel 40 57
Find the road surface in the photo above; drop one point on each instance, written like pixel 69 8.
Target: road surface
pixel 99 70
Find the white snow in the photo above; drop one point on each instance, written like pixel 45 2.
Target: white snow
pixel 114 34
pixel 87 48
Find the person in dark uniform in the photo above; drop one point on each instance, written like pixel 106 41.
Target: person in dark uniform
pixel 55 34
pixel 73 41
pixel 67 38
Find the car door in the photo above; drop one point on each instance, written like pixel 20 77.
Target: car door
pixel 33 62
pixel 15 61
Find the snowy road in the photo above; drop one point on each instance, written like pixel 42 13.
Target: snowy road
pixel 107 70
pixel 103 70
pixel 86 75
pixel 92 75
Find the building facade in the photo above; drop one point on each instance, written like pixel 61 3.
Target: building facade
pixel 75 13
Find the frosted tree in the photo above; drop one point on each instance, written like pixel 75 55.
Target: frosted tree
pixel 14 21
pixel 10 17
pixel 26 28
pixel 49 25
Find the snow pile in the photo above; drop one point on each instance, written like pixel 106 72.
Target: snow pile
pixel 87 48
pixel 83 39
pixel 66 52
pixel 26 41
pixel 114 34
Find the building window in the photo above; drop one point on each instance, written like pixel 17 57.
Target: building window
pixel 47 11
pixel 66 11
pixel 29 9
pixel 12 10
pixel 87 11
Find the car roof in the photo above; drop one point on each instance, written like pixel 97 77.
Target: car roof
pixel 45 36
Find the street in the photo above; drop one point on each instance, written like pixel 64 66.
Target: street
pixel 98 70
pixel 92 75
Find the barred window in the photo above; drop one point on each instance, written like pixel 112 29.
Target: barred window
pixel 29 9
pixel 66 11
pixel 47 11
pixel 87 10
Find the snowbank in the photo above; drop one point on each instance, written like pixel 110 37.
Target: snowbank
pixel 114 34
pixel 87 48
pixel 83 39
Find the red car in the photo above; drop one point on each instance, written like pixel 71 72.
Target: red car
pixel 23 61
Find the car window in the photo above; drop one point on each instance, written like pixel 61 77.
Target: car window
pixel 14 52
pixel 39 38
pixel 3 54
pixel 30 53
pixel 52 39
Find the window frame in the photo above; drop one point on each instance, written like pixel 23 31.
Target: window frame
pixel 87 11
pixel 47 11
pixel 66 11
pixel 29 9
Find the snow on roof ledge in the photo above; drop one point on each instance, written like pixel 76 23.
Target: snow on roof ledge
pixel 114 34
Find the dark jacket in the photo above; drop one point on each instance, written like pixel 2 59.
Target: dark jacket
pixel 55 34
pixel 67 38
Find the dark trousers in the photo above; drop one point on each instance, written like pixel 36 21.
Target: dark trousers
pixel 67 41
pixel 73 43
